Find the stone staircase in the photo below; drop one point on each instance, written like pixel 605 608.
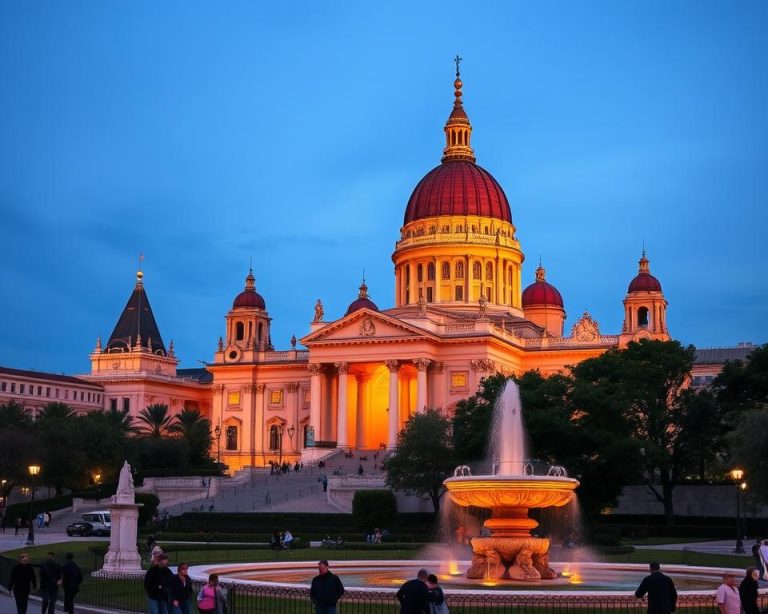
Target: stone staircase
pixel 255 490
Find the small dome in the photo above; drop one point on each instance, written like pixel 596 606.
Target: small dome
pixel 541 294
pixel 362 301
pixel 644 281
pixel 249 298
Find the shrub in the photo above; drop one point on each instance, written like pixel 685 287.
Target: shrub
pixel 373 508
pixel 40 505
pixel 149 507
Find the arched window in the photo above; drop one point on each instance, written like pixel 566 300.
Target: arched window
pixel 446 270
pixel 642 316
pixel 431 271
pixel 419 273
pixel 274 437
pixel 231 438
pixel 239 331
pixel 489 271
pixel 477 271
pixel 459 270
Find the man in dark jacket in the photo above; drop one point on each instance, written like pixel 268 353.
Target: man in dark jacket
pixel 326 590
pixel 71 579
pixel 157 584
pixel 414 595
pixel 662 596
pixel 23 580
pixel 50 579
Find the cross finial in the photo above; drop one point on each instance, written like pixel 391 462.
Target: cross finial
pixel 141 260
pixel 457 61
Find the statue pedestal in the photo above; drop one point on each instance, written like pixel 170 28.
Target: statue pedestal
pixel 123 555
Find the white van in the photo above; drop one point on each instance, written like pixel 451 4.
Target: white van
pixel 101 522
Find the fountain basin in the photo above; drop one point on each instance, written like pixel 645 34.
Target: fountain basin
pixel 505 491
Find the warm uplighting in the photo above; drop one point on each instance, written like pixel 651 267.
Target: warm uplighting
pixel 453 568
pixel 33 470
pixel 737 474
pixel 743 486
pixel 575 579
pixel 96 477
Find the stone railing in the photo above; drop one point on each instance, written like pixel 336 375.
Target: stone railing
pixel 553 342
pixel 461 327
pixel 286 355
pixel 478 238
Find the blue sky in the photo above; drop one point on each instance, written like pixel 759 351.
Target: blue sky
pixel 206 133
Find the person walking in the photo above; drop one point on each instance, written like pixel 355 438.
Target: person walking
pixel 437 603
pixel 758 559
pixel 157 584
pixel 662 596
pixel 17 525
pixel 181 590
pixel 326 590
pixel 50 580
pixel 212 599
pixel 727 596
pixel 748 592
pixel 414 595
pixel 71 579
pixel 22 581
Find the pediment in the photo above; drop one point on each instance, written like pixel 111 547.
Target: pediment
pixel 365 325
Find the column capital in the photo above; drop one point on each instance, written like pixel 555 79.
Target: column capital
pixel 422 364
pixel 315 368
pixel 392 365
pixel 343 367
pixel 260 388
pixel 248 388
pixel 483 364
pixel 217 388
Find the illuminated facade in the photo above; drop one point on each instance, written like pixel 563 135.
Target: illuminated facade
pixel 460 314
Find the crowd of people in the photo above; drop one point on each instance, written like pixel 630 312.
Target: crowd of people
pixel 282 540
pixel 53 576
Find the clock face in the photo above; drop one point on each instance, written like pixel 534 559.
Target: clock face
pixel 232 354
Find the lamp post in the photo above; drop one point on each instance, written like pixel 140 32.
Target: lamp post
pixel 291 433
pixel 3 484
pixel 737 475
pixel 217 432
pixel 96 475
pixel 34 471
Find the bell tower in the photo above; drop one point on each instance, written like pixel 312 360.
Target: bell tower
pixel 248 325
pixel 645 307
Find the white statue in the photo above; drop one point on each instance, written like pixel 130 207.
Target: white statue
pixel 125 489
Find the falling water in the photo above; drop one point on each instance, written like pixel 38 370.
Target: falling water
pixel 507 438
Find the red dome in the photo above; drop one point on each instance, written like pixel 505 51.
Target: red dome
pixel 458 187
pixel 362 301
pixel 250 299
pixel 542 294
pixel 644 282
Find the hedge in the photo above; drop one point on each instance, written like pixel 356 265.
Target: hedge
pixel 374 508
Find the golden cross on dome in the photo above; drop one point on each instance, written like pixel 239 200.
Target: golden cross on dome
pixel 457 61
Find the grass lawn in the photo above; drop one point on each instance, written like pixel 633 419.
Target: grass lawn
pixel 656 541
pixel 681 557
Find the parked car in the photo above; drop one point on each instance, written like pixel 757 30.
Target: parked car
pixel 80 528
pixel 101 521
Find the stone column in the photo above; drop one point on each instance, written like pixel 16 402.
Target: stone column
pixel 362 390
pixel 258 422
pixel 394 405
pixel 341 416
pixel 422 364
pixel 295 390
pixel 217 414
pixel 315 398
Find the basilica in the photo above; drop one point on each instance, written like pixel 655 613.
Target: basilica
pixel 460 314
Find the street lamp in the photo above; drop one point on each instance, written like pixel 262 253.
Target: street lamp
pixel 291 433
pixel 217 432
pixel 34 471
pixel 737 475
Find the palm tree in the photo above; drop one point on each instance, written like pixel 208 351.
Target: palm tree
pixel 120 420
pixel 14 416
pixel 195 429
pixel 155 420
pixel 53 412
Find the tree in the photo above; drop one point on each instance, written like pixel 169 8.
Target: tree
pixel 742 385
pixel 61 456
pixel 702 438
pixel 195 429
pixel 424 457
pixel 645 382
pixel 749 450
pixel 13 415
pixel 155 421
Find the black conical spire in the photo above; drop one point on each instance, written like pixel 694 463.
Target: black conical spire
pixel 136 324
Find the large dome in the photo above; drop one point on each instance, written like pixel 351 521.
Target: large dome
pixel 458 187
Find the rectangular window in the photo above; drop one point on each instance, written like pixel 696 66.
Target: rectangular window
pixel 57 393
pixel 48 391
pixel 276 397
pixel 113 404
pixel 66 393
pixel 458 379
pixel 13 386
pixel 39 391
pixel 126 404
pixel 2 386
pixel 307 397
pixel 233 398
pixel 21 388
pixel 459 293
pixel 429 295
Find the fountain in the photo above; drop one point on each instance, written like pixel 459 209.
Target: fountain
pixel 509 491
